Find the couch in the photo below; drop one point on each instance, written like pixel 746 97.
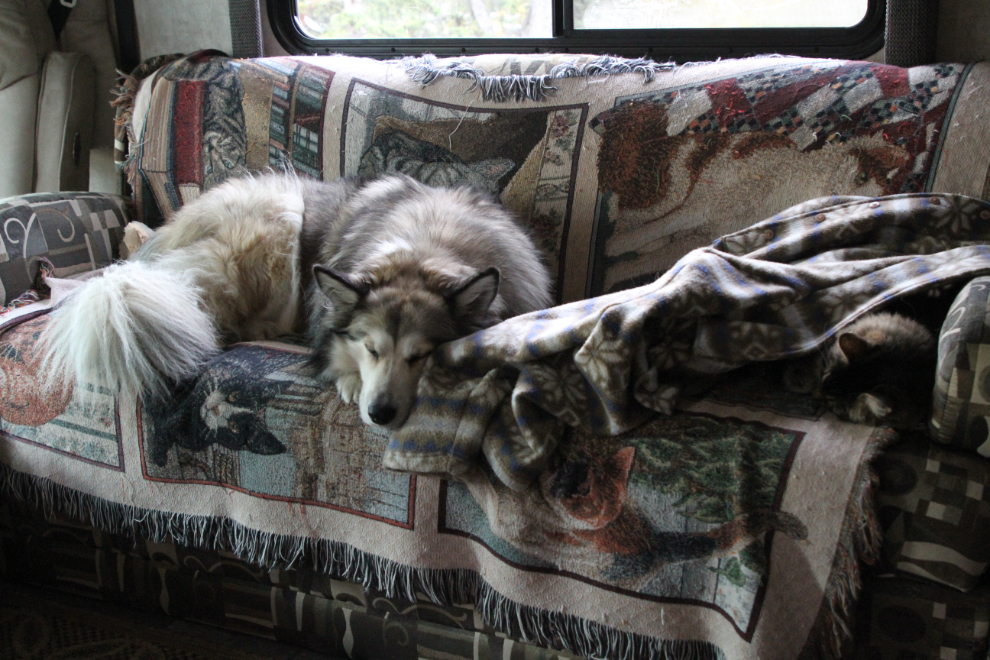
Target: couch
pixel 619 476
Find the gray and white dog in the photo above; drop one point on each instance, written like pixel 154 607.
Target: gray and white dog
pixel 377 274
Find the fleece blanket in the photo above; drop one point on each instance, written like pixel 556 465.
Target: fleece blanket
pixel 778 289
pixel 727 526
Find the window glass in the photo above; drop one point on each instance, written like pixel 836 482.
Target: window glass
pixel 425 19
pixel 654 14
pixel 508 19
pixel 674 30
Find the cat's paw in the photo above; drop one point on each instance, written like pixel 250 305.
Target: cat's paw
pixel 349 386
pixel 867 409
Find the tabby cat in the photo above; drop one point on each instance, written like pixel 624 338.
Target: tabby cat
pixel 880 370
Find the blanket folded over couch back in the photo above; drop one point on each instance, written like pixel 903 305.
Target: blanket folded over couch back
pixel 728 527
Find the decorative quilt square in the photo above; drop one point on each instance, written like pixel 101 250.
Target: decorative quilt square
pixel 254 422
pixel 61 421
pixel 527 158
pixel 662 513
pixel 222 117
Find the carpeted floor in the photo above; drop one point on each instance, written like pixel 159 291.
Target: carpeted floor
pixel 37 624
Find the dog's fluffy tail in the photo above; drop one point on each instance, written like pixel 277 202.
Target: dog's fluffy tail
pixel 136 329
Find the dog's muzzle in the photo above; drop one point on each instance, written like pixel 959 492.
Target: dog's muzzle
pixel 381 413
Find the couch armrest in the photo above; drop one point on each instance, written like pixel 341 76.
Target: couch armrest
pixel 77 232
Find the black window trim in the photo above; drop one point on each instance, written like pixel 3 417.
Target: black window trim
pixel 679 45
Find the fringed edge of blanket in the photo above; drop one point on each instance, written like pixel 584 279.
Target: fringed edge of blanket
pixel 552 630
pixel 859 541
pixel 39 289
pixel 124 140
pixel 518 87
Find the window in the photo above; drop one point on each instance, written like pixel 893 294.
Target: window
pixel 662 29
pixel 425 19
pixel 660 14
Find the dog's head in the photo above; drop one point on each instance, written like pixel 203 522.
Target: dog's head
pixel 384 333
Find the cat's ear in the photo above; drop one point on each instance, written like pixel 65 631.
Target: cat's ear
pixel 621 464
pixel 876 405
pixel 853 346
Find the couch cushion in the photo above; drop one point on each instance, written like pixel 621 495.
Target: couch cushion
pixel 256 458
pixel 935 511
pixel 76 231
pixel 961 407
pixel 19 109
pixel 213 117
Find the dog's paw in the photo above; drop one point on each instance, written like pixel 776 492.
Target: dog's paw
pixel 349 386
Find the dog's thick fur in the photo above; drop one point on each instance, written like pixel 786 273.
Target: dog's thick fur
pixel 378 274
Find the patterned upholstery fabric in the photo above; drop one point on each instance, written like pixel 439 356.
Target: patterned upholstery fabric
pixel 961 408
pixel 901 619
pixel 76 231
pixel 935 511
pixel 339 618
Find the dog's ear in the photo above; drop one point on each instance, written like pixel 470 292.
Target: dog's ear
pixel 471 298
pixel 343 290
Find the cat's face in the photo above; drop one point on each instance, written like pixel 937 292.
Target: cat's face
pixel 870 382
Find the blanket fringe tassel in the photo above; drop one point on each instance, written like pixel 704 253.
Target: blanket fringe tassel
pixel 125 141
pixel 554 630
pixel 859 541
pixel 518 87
pixel 426 69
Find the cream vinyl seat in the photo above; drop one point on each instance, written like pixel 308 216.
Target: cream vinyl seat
pixel 55 115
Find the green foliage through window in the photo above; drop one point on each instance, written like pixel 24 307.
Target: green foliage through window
pixel 425 19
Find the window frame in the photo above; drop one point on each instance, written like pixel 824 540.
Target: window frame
pixel 678 45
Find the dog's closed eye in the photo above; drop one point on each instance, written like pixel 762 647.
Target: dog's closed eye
pixel 373 352
pixel 413 359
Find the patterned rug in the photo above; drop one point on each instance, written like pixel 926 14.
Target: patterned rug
pixel 40 624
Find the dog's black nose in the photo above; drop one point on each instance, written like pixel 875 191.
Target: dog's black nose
pixel 381 414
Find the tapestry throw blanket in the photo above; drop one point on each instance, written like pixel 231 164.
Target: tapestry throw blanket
pixel 729 527
pixel 616 175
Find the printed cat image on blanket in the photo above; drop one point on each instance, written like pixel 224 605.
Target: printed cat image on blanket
pixel 593 499
pixel 581 518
